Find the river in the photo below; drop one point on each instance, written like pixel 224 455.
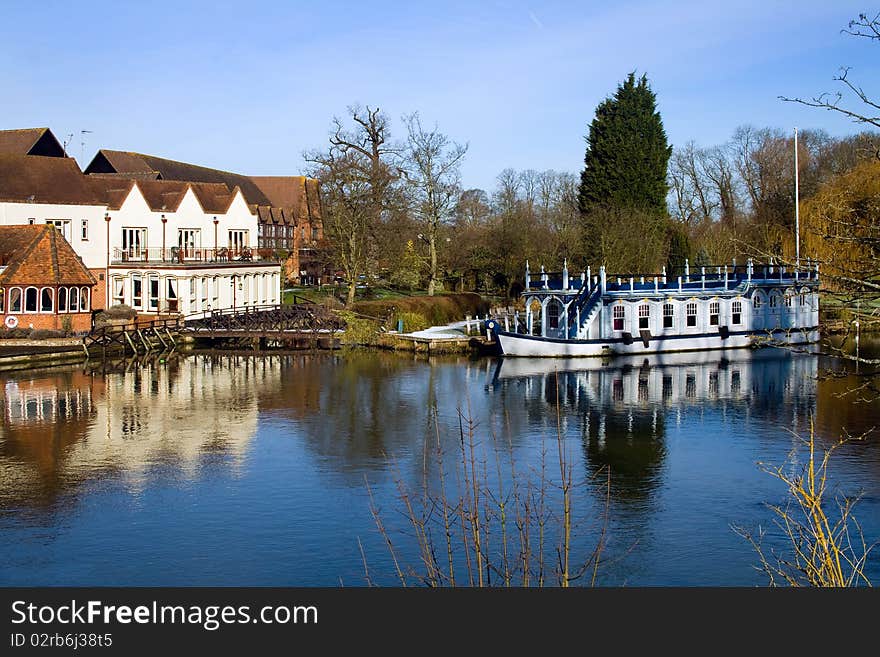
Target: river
pixel 259 469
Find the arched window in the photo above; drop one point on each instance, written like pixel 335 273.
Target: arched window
pixel 774 299
pixel 73 301
pixel 15 300
pixel 2 299
pixel 62 299
pixel 47 300
pixel 553 311
pixel 787 299
pixel 30 300
pixel 84 300
pixel 804 296
pixel 757 301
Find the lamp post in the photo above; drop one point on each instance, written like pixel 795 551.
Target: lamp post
pixel 164 221
pixel 216 221
pixel 107 266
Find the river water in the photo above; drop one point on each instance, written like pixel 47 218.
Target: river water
pixel 258 469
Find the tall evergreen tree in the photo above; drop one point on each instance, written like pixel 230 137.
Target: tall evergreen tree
pixel 627 152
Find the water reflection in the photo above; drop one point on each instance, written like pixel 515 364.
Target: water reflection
pixel 622 407
pixel 62 428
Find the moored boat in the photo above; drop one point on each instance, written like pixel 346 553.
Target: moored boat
pixel 721 307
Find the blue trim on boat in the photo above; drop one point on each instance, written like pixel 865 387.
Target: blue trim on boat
pixel 660 338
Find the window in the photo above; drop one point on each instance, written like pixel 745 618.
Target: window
pixel 63 225
pixel 803 297
pixel 692 314
pixel 193 295
pixel 714 312
pixel 205 294
pixel 30 300
pixel 314 234
pixel 134 243
pixel 736 309
pixel 84 294
pixel 787 299
pixel 757 301
pixel 62 299
pixel 137 291
pixel 668 316
pixel 2 299
pixel 153 289
pixel 84 230
pixel 619 314
pixel 644 315
pixel 15 300
pixel 73 300
pixel 171 295
pixel 215 292
pixel 189 240
pixel 118 290
pixel 31 221
pixel 47 300
pixel 774 297
pixel 553 314
pixel 238 239
pixel 302 234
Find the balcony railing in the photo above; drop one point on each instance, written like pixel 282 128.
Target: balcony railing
pixel 195 256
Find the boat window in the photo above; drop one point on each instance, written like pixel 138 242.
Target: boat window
pixel 644 315
pixel 619 314
pixel 553 314
pixel 668 310
pixel 692 314
pixel 757 301
pixel 788 298
pixel 714 312
pixel 736 309
pixel 774 299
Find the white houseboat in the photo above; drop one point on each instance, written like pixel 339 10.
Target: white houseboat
pixel 721 307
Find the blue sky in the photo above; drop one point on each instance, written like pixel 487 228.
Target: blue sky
pixel 249 86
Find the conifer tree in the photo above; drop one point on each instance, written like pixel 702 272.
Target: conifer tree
pixel 627 153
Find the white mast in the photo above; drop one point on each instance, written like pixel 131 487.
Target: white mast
pixel 797 219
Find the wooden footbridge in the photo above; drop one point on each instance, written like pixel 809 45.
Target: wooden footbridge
pixel 296 326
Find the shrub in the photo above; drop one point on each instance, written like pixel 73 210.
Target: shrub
pixel 16 333
pixel 411 321
pixel 119 311
pixel 45 334
pixel 436 310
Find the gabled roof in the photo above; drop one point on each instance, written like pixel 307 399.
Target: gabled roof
pixel 30 141
pixel 39 255
pixel 38 179
pixel 284 199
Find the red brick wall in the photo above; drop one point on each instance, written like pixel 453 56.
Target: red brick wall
pixel 99 291
pixel 78 321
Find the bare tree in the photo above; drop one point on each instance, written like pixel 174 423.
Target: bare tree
pixel 432 169
pixel 864 27
pixel 358 175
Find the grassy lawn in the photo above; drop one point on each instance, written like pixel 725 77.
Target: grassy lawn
pixel 317 294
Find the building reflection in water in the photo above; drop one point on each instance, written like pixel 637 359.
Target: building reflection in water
pixel 621 409
pixel 63 428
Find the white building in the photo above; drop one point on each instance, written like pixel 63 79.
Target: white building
pixel 159 246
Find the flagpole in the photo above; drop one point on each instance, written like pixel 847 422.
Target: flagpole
pixel 797 218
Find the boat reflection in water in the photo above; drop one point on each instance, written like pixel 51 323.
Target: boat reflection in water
pixel 622 408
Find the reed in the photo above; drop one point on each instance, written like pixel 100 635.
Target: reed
pixel 823 543
pixel 484 521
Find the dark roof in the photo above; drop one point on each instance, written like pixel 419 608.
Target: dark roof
pixel 30 141
pixel 140 165
pixel 38 179
pixel 39 255
pixel 284 199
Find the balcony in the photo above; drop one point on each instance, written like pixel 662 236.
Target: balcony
pixel 194 256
